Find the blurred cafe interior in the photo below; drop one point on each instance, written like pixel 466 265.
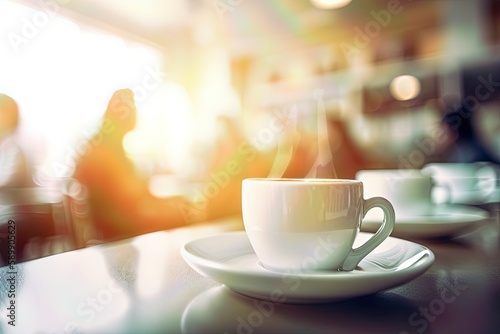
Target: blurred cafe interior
pixel 128 126
pixel 224 90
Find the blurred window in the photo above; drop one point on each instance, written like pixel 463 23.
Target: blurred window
pixel 62 75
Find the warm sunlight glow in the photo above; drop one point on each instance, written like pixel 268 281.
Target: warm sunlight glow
pixel 135 143
pixel 405 87
pixel 163 134
pixel 330 4
pixel 62 76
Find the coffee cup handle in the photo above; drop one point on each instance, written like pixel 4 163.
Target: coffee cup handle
pixel 357 254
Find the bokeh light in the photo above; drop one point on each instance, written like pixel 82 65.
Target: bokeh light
pixel 405 87
pixel 330 4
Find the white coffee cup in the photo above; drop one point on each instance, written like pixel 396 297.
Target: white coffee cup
pixel 408 190
pixel 465 182
pixel 309 224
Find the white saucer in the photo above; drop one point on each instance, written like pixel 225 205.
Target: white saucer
pixel 229 259
pixel 442 221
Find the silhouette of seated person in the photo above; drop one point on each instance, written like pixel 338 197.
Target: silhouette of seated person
pixel 14 169
pixel 30 221
pixel 120 202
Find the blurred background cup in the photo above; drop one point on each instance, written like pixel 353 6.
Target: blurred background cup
pixel 302 225
pixel 466 183
pixel 408 190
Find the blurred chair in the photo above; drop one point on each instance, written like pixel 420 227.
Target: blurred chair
pixel 37 225
pixel 78 215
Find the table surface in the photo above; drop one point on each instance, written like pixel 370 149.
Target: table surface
pixel 142 285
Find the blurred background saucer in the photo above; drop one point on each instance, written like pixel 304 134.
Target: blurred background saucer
pixel 441 221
